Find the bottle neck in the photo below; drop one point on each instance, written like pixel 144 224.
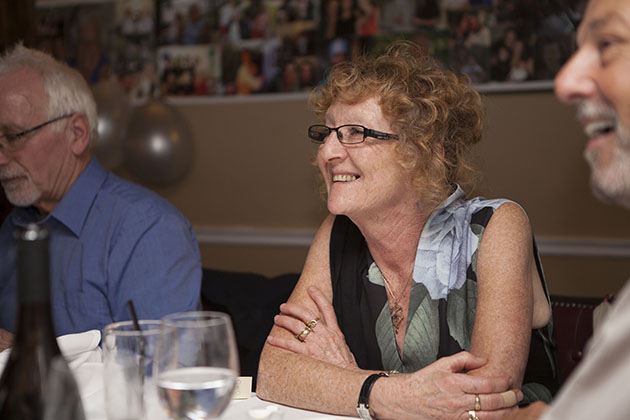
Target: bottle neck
pixel 34 312
pixel 33 265
pixel 35 328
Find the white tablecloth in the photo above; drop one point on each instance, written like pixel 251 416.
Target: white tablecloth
pixel 237 410
pixel 90 379
pixel 242 409
pixel 85 359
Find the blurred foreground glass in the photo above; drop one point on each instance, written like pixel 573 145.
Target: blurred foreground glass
pixel 62 400
pixel 196 364
pixel 128 356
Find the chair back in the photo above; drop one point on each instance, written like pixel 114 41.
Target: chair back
pixel 573 327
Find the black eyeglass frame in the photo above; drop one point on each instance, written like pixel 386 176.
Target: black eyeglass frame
pixel 12 138
pixel 367 132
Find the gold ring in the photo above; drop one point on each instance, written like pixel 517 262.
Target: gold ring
pixel 472 415
pixel 477 403
pixel 312 323
pixel 302 335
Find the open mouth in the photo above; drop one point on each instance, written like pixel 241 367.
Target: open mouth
pixel 345 178
pixel 599 128
pixel 11 183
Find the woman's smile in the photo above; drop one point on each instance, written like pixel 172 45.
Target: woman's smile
pixel 344 178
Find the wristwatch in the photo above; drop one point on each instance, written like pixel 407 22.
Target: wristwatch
pixel 363 406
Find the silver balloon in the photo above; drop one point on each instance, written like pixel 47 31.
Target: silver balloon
pixel 159 146
pixel 113 117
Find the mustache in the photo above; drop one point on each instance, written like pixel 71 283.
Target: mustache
pixel 593 109
pixel 8 173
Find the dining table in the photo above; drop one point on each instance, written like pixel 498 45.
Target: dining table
pixel 84 357
pixel 89 378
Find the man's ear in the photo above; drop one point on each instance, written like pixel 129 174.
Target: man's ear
pixel 80 134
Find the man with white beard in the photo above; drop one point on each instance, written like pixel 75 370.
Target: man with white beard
pixel 596 80
pixel 110 241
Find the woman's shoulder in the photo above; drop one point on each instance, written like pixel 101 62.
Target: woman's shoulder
pixel 473 216
pixel 476 203
pixel 501 210
pixel 459 204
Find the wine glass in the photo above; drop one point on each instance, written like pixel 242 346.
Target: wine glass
pixel 196 364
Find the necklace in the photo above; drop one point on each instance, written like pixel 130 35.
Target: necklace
pixel 395 310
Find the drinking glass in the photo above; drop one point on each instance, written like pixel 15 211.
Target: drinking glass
pixel 128 357
pixel 62 400
pixel 196 364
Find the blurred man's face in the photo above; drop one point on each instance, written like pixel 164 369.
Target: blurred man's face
pixel 597 81
pixel 88 48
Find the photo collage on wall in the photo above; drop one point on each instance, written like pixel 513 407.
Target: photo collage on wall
pixel 104 39
pixel 227 47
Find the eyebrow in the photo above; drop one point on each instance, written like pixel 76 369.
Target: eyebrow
pixel 596 25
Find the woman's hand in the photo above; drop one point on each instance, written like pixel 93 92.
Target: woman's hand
pixel 443 390
pixel 314 335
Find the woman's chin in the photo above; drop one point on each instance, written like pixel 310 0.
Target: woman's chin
pixel 337 208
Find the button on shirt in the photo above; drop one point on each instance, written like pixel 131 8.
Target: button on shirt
pixel 111 241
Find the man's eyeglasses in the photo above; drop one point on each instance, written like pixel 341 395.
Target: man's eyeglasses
pixel 347 133
pixel 10 142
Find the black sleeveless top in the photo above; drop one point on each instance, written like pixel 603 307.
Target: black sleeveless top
pixel 360 303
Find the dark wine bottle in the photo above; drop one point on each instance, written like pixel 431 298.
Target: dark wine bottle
pixel 27 385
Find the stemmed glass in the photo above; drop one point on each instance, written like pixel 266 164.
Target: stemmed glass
pixel 196 364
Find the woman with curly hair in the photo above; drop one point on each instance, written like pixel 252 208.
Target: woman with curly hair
pixel 414 301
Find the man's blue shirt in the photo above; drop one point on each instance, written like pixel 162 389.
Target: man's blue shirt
pixel 111 241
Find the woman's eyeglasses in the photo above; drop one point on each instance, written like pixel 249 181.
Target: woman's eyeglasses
pixel 347 133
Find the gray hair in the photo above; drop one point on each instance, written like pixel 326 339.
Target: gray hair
pixel 67 90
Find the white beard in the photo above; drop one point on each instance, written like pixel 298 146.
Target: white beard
pixel 611 183
pixel 23 194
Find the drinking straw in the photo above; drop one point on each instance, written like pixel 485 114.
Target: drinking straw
pixel 136 324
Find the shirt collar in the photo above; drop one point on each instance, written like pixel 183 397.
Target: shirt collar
pixel 75 205
pixel 447 205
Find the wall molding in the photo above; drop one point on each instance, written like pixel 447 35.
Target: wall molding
pixel 583 247
pixel 547 245
pixel 253 236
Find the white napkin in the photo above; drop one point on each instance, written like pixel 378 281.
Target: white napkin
pixel 77 348
pixel 89 377
pixel 81 348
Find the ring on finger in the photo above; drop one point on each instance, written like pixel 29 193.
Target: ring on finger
pixel 312 323
pixel 472 415
pixel 477 403
pixel 302 335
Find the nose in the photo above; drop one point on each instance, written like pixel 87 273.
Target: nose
pixel 576 79
pixel 4 158
pixel 332 148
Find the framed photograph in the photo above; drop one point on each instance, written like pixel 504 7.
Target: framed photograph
pixel 189 69
pixel 80 35
pixel 245 47
pixel 185 22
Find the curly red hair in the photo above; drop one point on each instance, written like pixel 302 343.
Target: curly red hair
pixel 437 115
